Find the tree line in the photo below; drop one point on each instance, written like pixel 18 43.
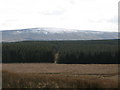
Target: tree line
pixel 62 52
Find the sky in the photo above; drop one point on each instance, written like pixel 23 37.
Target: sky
pixel 98 15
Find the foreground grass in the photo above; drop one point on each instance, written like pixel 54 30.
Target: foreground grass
pixel 14 80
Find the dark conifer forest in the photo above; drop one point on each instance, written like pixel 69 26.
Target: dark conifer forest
pixel 61 52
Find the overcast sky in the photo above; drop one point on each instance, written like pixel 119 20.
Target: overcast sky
pixel 100 15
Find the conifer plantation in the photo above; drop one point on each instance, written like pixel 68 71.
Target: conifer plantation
pixel 61 52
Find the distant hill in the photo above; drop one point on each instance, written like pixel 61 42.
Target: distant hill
pixel 55 34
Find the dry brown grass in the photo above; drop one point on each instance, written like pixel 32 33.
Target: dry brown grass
pixel 19 80
pixel 61 68
pixel 45 75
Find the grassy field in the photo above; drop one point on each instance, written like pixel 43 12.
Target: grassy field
pixel 46 75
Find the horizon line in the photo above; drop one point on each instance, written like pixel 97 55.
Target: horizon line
pixel 57 28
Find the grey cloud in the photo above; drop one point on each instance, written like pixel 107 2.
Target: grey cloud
pixel 9 22
pixel 110 20
pixel 113 20
pixel 53 12
pixel 72 1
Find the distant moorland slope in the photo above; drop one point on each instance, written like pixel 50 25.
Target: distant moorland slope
pixel 49 34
